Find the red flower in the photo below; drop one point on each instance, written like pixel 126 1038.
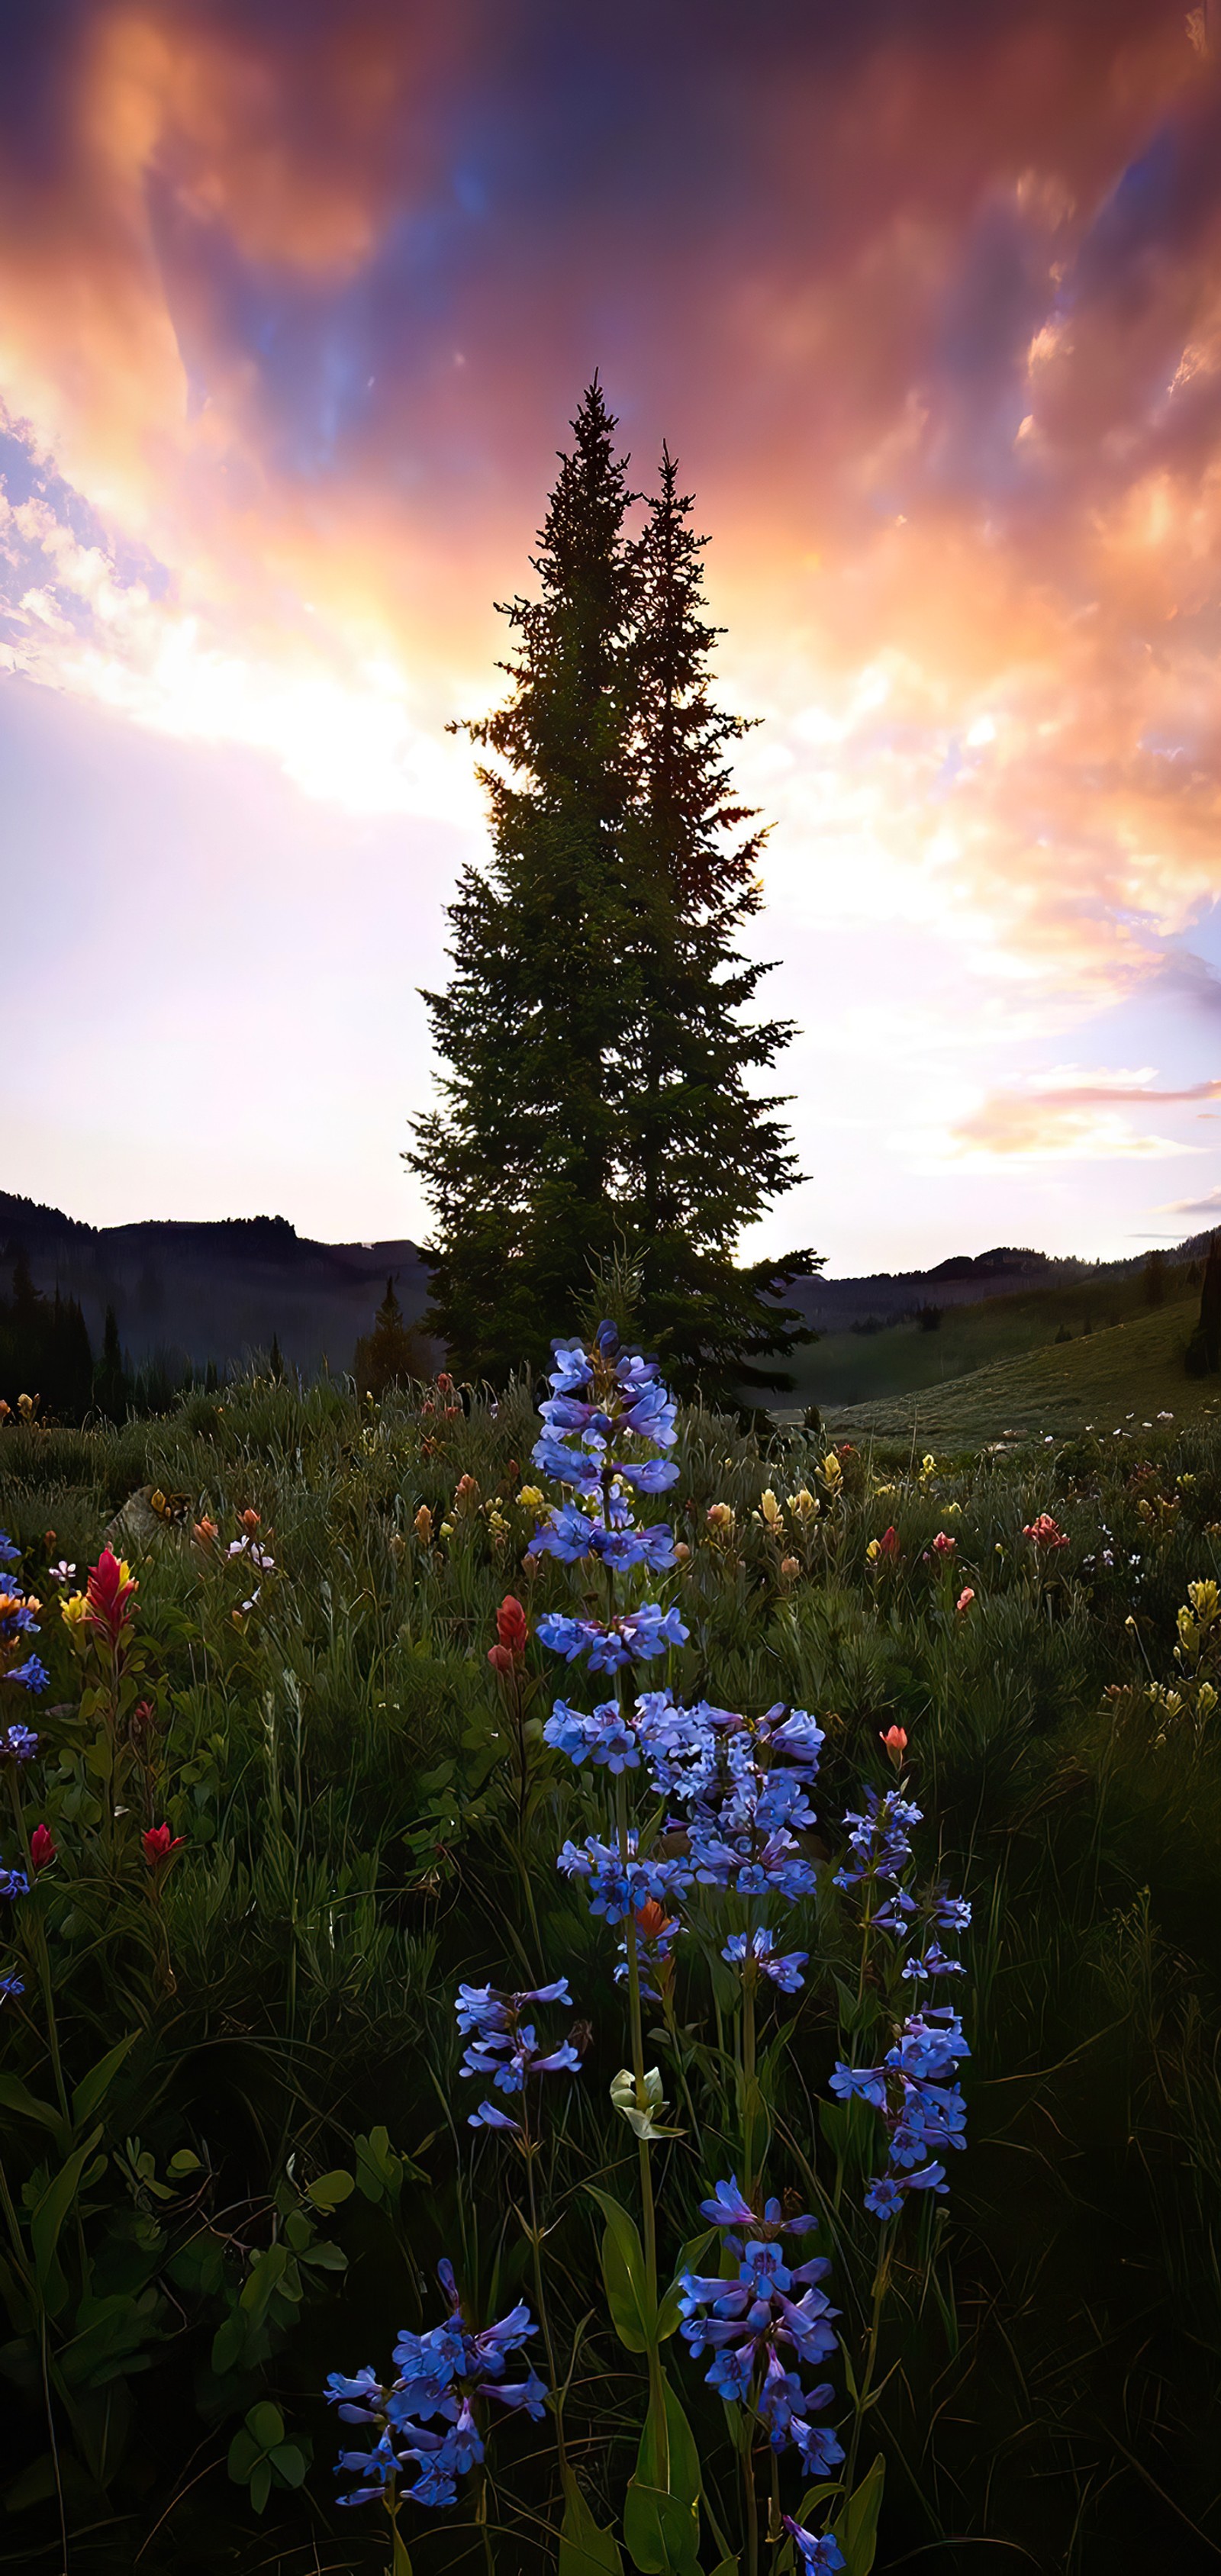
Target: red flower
pixel 159 1843
pixel 108 1592
pixel 500 1659
pixel 895 1741
pixel 42 1849
pixel 943 1544
pixel 888 1544
pixel 1044 1532
pixel 511 1626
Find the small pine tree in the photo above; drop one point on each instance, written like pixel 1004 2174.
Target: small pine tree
pixel 112 1380
pixel 1154 1279
pixel 392 1354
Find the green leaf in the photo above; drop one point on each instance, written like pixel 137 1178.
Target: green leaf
pixel 48 2218
pixel 92 2090
pixel 228 2342
pixel 585 2549
pixel 265 2273
pixel 183 2163
pixel 680 2475
pixel 260 2485
pixel 857 2527
pixel 662 2534
pixel 623 2271
pixel 266 2424
pixel 661 2522
pixel 14 2096
pixel 244 2457
pixel 330 2189
pixel 288 2463
pixel 400 2563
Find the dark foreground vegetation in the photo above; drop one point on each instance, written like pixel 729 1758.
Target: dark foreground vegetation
pixel 235 2145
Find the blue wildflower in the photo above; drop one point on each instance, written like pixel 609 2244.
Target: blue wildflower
pixel 501 2047
pixel 758 1947
pixel 617 1888
pixel 11 1986
pixel 821 2553
pixel 32 1675
pixel 13 1883
pixel 8 1553
pixel 18 1744
pixel 634 1637
pixel 443 2375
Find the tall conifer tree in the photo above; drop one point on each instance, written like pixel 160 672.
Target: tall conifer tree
pixel 596 1104
pixel 704 1154
pixel 519 1160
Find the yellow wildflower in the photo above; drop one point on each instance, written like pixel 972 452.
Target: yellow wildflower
pixel 532 1498
pixel 769 1515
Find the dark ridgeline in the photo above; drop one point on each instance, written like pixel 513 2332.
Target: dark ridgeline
pixel 595 1112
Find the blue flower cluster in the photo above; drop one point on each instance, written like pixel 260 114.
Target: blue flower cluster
pixel 751 2325
pixel 18 1744
pixel 747 1794
pixel 636 1636
pixel 784 1968
pixel 503 2048
pixel 443 2375
pixel 617 1886
pixel 923 2111
pixel 18 1618
pixel 820 2552
pixel 13 1883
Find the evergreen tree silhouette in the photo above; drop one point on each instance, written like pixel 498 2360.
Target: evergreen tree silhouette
pixel 391 1355
pixel 595 1103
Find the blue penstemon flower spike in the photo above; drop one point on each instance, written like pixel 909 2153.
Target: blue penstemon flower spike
pixel 429 2422
pixel 922 2109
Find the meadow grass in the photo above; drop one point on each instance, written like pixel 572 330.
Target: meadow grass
pixel 363 1824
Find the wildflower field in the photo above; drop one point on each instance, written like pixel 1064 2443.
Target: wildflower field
pixel 656 1991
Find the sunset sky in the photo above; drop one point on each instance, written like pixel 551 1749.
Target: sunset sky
pixel 295 303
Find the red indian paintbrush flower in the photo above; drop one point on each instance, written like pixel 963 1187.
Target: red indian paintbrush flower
pixel 42 1849
pixel 159 1843
pixel 108 1594
pixel 895 1741
pixel 1044 1532
pixel 511 1628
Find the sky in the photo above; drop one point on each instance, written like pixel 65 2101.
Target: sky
pixel 296 302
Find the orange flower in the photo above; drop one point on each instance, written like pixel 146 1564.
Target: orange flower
pixel 895 1741
pixel 965 1598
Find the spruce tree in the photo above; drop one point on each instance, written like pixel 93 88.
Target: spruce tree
pixel 520 1160
pixel 596 1105
pixel 704 1155
pixel 392 1354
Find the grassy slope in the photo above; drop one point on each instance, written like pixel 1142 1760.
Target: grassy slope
pixel 871 1368
pixel 1135 1368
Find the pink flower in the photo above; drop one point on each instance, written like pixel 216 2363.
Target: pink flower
pixel 964 1600
pixel 42 1849
pixel 943 1544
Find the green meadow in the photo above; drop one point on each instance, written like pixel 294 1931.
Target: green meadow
pixel 246 2148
